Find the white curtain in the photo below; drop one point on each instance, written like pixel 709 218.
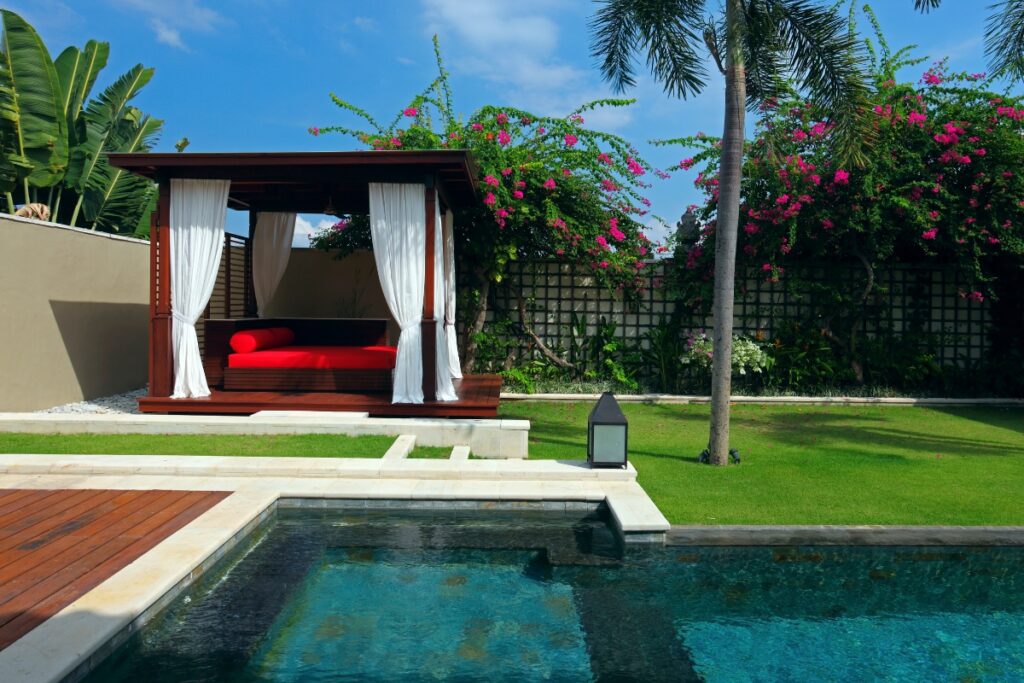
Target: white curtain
pixel 198 208
pixel 445 388
pixel 398 227
pixel 271 247
pixel 454 364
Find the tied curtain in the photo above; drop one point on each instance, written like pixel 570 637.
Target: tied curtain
pixel 454 364
pixel 398 227
pixel 198 209
pixel 271 247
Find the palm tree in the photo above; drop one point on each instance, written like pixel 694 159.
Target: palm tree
pixel 756 45
pixel 1004 36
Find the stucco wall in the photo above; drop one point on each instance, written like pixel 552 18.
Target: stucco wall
pixel 316 285
pixel 74 312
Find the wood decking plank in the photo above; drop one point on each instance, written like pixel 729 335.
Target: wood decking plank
pixel 42 511
pixel 21 502
pixel 23 613
pixel 10 498
pixel 64 519
pixel 60 547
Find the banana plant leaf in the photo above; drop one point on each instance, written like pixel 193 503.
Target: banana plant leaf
pixel 114 198
pixel 13 165
pixel 40 126
pixel 77 71
pixel 103 116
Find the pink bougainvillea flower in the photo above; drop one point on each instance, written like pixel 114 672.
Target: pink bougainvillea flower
pixel 842 177
pixel 916 118
pixel 604 159
pixel 634 166
pixel 751 228
pixel 608 185
pixel 616 234
pixel 506 172
pixel 566 172
pixel 541 130
pixel 490 199
pixel 993 240
pixel 799 135
pixel 518 194
pixel 819 129
pixel 766 267
pixel 396 142
pixel 410 112
pixel 477 126
pixel 642 251
pixel 782 199
pixel 600 239
pixel 929 234
pixel 520 184
pixel 603 264
pixel 340 225
pixel 549 184
pixel 570 139
pixel 491 180
pixel 503 137
pixel 501 118
pixel 976 296
pixel 687 163
pixel 827 223
pixel 313 130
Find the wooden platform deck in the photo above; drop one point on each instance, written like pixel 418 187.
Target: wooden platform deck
pixel 478 397
pixel 56 545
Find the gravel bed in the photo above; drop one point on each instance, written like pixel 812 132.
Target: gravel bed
pixel 118 404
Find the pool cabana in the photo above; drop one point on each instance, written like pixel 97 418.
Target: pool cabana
pixel 409 197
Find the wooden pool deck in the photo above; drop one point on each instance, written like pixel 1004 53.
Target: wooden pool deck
pixel 58 544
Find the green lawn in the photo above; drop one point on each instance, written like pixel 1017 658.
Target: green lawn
pixel 282 445
pixel 813 465
pixel 801 465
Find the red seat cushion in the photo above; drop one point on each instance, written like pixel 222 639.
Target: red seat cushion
pixel 248 341
pixel 319 357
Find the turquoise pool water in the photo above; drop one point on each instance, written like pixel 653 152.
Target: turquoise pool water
pixel 327 595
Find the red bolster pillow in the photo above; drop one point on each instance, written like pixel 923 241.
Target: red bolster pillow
pixel 248 341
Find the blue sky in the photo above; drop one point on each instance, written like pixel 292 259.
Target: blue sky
pixel 253 75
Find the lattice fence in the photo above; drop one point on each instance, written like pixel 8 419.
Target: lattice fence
pixel 925 302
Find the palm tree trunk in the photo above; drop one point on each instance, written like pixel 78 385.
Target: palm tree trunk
pixel 725 232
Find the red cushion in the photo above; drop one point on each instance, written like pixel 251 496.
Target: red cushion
pixel 320 357
pixel 248 341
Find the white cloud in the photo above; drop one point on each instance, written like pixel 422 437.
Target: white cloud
pixel 304 228
pixel 518 51
pixel 170 19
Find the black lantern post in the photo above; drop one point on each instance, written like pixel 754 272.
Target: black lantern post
pixel 606 434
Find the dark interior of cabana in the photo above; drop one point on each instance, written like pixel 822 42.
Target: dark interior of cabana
pixel 354 356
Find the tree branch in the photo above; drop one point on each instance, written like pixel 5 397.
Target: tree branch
pixel 541 346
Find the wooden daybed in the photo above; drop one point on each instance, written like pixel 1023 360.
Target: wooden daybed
pixel 298 354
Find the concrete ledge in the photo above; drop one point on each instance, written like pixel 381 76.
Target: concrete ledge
pixel 401 448
pixel 486 438
pixel 776 400
pixel 846 535
pixel 305 468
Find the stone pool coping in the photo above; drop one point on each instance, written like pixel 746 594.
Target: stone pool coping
pixel 68 645
pixel 789 535
pixel 684 399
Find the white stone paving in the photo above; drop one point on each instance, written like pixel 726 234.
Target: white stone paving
pixel 64 643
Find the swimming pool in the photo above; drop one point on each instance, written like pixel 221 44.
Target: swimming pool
pixel 342 595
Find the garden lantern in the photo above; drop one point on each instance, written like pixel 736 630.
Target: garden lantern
pixel 606 434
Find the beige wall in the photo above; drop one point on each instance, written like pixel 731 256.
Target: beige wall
pixel 316 285
pixel 74 312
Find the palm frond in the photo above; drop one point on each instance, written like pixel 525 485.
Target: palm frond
pixel 1004 39
pixel 765 56
pixel 828 63
pixel 615 37
pixel 926 5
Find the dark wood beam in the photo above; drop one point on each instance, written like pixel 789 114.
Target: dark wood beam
pixel 161 350
pixel 428 326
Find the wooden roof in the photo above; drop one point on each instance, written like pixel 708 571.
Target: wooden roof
pixel 308 182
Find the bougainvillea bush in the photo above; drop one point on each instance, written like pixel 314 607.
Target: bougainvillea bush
pixel 943 185
pixel 549 187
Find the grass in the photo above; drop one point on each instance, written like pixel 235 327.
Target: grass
pixel 813 465
pixel 281 445
pixel 801 465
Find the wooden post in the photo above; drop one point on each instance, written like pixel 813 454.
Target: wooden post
pixel 161 351
pixel 250 295
pixel 428 326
